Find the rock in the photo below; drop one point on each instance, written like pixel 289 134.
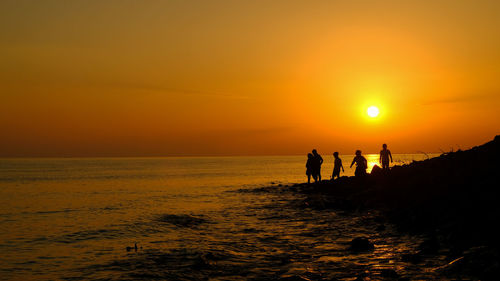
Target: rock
pixel 363 276
pixel 376 171
pixel 412 258
pixel 200 263
pixel 389 273
pixel 361 244
pixel 380 228
pixel 430 246
pixel 379 219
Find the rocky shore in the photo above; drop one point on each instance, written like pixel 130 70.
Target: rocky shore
pixel 451 199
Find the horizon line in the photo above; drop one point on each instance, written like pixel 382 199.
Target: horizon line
pixel 200 156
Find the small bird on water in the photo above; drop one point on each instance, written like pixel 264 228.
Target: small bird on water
pixel 131 248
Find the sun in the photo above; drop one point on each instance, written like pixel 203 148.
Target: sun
pixel 372 111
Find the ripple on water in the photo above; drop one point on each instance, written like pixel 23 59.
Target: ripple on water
pixel 181 220
pixel 278 242
pixel 260 237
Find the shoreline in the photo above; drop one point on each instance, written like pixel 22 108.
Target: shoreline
pixel 451 201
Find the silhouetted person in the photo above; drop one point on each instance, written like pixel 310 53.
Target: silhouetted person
pixel 310 168
pixel 318 160
pixel 337 165
pixel 384 157
pixel 361 164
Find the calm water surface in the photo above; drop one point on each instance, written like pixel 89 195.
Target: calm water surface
pixel 192 219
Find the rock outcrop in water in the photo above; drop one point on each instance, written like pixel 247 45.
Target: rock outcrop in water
pixel 452 198
pixel 359 244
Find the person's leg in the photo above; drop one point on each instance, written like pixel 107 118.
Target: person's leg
pixel 319 174
pixel 308 178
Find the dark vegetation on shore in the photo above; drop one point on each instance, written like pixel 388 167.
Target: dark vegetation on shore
pixel 452 199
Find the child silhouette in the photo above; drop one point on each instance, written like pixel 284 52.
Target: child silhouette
pixel 337 165
pixel 384 157
pixel 310 167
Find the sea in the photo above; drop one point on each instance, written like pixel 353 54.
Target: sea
pixel 184 218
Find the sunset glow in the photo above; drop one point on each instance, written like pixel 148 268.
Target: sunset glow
pixel 170 78
pixel 249 140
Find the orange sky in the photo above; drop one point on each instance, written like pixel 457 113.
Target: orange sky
pixel 160 78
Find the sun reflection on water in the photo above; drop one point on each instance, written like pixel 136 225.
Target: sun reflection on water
pixel 372 159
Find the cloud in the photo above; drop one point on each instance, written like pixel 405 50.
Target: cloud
pixel 139 87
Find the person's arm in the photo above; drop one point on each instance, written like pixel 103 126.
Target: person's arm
pixel 341 166
pixel 353 160
pixel 320 160
pixel 380 157
pixel 390 155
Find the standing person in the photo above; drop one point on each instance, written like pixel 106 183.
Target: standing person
pixel 310 167
pixel 318 160
pixel 361 164
pixel 384 157
pixel 337 164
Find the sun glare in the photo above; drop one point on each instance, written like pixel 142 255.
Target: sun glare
pixel 373 111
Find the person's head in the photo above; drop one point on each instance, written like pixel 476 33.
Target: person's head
pixel 384 146
pixel 358 152
pixel 336 154
pixel 309 155
pixel 315 152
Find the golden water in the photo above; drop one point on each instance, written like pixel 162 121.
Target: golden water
pixel 190 217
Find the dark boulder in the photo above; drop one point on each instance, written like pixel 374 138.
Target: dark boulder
pixel 361 244
pixel 376 171
pixel 389 273
pixel 412 257
pixel 429 246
